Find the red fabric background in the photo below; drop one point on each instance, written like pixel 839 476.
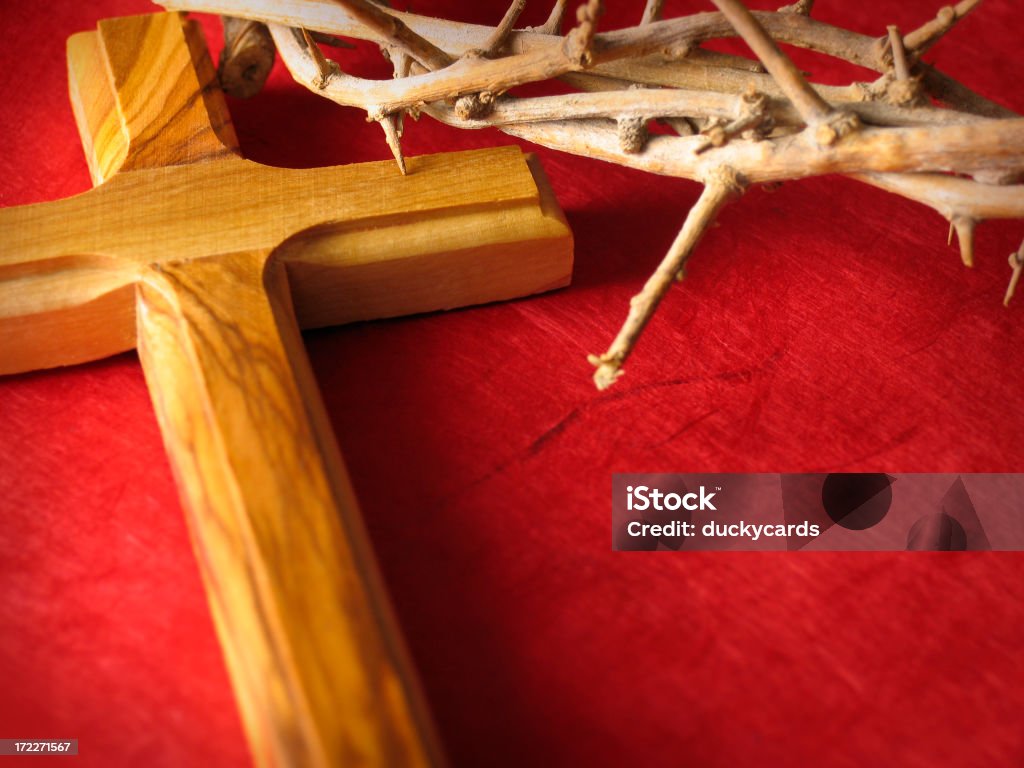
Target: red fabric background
pixel 823 327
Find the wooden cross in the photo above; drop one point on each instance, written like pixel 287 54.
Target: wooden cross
pixel 209 264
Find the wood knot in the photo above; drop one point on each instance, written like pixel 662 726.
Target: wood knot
pixel 632 134
pixel 246 59
pixel 609 368
pixel 726 179
pixel 577 43
pixel 802 7
pixel 905 93
pixel 678 50
pixel 715 135
pixel 474 106
pixel 835 127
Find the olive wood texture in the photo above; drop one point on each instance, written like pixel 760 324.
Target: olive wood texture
pixel 209 264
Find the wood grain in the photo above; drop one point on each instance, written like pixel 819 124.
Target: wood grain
pixel 360 241
pixel 293 588
pixel 196 256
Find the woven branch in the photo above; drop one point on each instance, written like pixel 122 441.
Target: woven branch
pixel 914 131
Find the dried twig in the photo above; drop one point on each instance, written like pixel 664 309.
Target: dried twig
pixel 324 68
pixel 721 185
pixel 1017 265
pixel 829 125
pixel 652 11
pixel 899 53
pixel 929 33
pixel 395 33
pixel 247 57
pixel 554 21
pixel 964 161
pixel 504 28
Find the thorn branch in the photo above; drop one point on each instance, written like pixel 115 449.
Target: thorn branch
pixel 500 34
pixel 397 33
pixel 721 186
pixel 1017 265
pixel 324 67
pixel 965 160
pixel 652 11
pixel 965 226
pixel 553 24
pixel 392 125
pixel 811 106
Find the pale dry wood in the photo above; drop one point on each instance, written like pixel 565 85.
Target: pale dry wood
pixel 613 99
pixel 929 33
pixel 721 185
pixel 652 11
pixel 997 144
pixel 901 67
pixel 808 103
pixel 963 148
pixel 458 38
pixel 324 68
pixel 904 138
pixel 952 196
pixel 672 35
pixel 1016 270
pixel 395 33
pixel 553 24
pixel 803 7
pixel 188 251
pixel 690 73
pixel 540 55
pixel 501 33
pixel 246 58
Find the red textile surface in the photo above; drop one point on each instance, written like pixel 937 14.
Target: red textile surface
pixel 823 327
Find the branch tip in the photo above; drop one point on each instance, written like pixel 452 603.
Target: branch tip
pixel 397 33
pixel 652 11
pixel 1017 265
pixel 803 7
pixel 964 226
pixel 325 67
pixel 392 125
pixel 929 33
pixel 553 24
pixel 577 43
pixel 899 54
pixel 499 36
pixel 808 102
pixel 722 183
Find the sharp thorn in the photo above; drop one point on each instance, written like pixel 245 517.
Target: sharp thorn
pixel 331 40
pixel 392 134
pixel 1017 265
pixel 965 235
